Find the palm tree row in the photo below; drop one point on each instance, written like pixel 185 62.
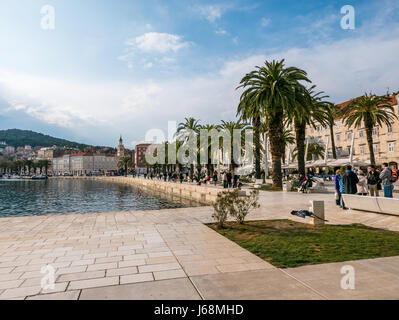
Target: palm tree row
pixel 25 167
pixel 189 131
pixel 275 96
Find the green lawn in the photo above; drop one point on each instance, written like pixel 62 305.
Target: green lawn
pixel 285 243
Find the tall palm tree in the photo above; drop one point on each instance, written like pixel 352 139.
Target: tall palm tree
pixel 125 163
pixel 332 113
pixel 370 110
pixel 230 126
pixel 209 164
pixel 272 89
pixel 29 165
pixel 253 113
pixel 189 125
pixel 311 111
pixel 46 164
pixel 287 139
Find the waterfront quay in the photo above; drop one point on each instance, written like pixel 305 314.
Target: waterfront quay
pixel 172 254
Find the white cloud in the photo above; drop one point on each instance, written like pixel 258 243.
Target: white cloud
pixel 155 42
pixel 343 69
pixel 265 22
pixel 221 32
pixel 153 47
pixel 211 12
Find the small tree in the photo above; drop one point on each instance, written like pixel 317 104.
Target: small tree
pixel 243 205
pixel 223 206
pixel 230 203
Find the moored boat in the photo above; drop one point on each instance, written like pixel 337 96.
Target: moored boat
pixel 39 178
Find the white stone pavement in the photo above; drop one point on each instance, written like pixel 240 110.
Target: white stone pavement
pixel 171 254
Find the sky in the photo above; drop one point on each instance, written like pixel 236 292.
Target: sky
pixel 93 70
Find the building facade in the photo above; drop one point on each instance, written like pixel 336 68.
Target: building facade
pixel 139 157
pixel 84 163
pixel 385 139
pixel 45 154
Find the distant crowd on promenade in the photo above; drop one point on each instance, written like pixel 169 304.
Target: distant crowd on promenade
pixel 363 184
pixel 228 178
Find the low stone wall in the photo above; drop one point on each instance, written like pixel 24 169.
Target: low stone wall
pixel 372 204
pixel 202 194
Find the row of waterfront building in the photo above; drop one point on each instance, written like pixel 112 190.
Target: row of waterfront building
pixel 347 141
pixel 385 139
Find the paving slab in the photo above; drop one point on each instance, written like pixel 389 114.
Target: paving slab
pixel 372 280
pixel 272 284
pixel 175 289
pixel 104 251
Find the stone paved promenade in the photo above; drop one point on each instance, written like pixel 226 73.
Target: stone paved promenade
pixel 171 254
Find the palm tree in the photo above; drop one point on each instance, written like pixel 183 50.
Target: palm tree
pixel 312 110
pixel 230 126
pixel 253 113
pixel 370 110
pixel 315 152
pixel 46 164
pixel 287 139
pixel 183 129
pixel 209 164
pixel 125 163
pixel 29 165
pixel 332 112
pixel 272 89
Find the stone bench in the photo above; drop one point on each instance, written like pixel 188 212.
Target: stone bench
pixel 373 204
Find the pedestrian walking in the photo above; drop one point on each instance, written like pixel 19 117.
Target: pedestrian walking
pixel 215 178
pixel 386 180
pixel 225 185
pixel 373 179
pixel 350 181
pixel 362 188
pixel 339 189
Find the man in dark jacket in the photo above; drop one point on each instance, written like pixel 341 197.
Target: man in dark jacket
pixel 350 180
pixel 373 179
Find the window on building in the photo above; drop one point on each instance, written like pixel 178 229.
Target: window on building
pixel 361 149
pixel 361 133
pixel 349 135
pixel 389 129
pixel 376 147
pixel 375 131
pixel 338 137
pixel 337 124
pixel 348 149
pixel 391 146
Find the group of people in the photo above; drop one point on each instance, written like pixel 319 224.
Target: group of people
pixel 361 183
pixel 229 178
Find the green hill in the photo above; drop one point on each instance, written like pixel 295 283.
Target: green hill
pixel 20 138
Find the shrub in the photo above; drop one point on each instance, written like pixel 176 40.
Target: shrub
pixel 229 203
pixel 222 207
pixel 243 205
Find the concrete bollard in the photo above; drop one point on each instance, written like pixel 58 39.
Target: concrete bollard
pixel 287 186
pixel 317 207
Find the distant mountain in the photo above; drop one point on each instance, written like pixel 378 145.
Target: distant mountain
pixel 20 138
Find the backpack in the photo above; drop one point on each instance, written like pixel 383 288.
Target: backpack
pixel 394 176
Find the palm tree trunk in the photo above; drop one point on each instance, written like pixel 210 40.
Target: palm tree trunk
pixel 300 136
pixel 191 171
pixel 256 124
pixel 369 135
pixel 334 151
pixel 275 135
